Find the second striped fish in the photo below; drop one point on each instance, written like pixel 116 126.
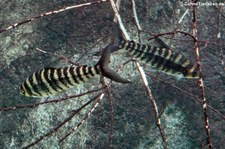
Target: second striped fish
pixel 161 59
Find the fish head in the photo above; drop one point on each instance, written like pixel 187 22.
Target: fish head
pixel 21 90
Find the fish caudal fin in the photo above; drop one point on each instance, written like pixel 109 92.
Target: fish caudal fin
pixel 104 62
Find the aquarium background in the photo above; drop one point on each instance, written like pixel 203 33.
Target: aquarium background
pixel 69 34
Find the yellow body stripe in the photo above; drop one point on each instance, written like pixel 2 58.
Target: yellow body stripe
pixel 168 54
pixel 30 86
pixel 186 63
pixel 34 79
pixel 56 88
pixel 82 76
pixel 25 90
pixel 69 75
pixel 60 84
pixel 48 87
pixel 178 58
pixel 93 70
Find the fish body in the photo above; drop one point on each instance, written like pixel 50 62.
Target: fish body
pixel 162 59
pixel 51 81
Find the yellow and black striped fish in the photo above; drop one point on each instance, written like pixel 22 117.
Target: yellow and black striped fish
pixel 162 59
pixel 51 81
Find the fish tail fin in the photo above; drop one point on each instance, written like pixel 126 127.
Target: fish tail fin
pixel 105 70
pixel 111 74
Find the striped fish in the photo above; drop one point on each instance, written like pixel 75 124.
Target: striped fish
pixel 51 81
pixel 162 59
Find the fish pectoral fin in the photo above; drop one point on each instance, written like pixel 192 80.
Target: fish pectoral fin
pixel 111 74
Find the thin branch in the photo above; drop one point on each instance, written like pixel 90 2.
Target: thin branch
pixel 111 119
pixel 136 20
pixel 33 105
pixel 148 91
pixel 135 16
pixel 200 81
pixel 189 94
pixel 91 48
pixel 50 13
pixel 181 32
pixel 98 98
pixel 185 13
pixel 219 37
pixel 172 33
pixel 119 20
pixel 51 131
pixel 61 57
pixel 55 129
pixel 219 9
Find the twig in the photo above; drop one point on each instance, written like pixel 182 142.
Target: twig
pixel 148 91
pixel 143 78
pixel 51 131
pixel 189 94
pixel 111 118
pixel 98 98
pixel 219 37
pixel 61 57
pixel 219 9
pixel 91 48
pixel 49 101
pixel 136 19
pixel 50 13
pixel 75 112
pixel 119 20
pixel 185 13
pixel 181 32
pixel 172 33
pixel 200 81
pixel 135 15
